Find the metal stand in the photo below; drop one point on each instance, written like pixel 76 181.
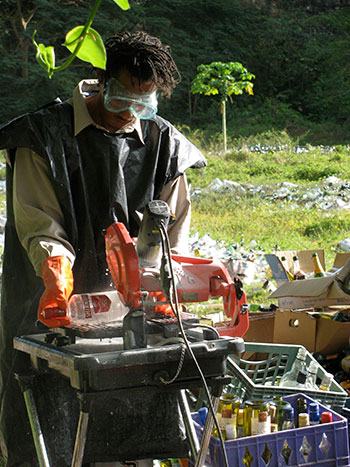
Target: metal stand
pixel 25 382
pixel 80 440
pixel 90 374
pixel 208 428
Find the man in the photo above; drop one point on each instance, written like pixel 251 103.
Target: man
pixel 74 168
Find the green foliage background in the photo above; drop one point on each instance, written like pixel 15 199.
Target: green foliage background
pixel 297 50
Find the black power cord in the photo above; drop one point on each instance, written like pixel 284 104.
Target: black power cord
pixel 175 309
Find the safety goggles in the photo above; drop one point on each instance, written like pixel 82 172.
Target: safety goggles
pixel 118 98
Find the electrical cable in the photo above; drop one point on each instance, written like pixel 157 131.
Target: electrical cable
pixel 167 252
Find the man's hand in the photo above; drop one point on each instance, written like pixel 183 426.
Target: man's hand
pixel 58 280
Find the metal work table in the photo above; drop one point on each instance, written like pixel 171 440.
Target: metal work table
pixel 99 371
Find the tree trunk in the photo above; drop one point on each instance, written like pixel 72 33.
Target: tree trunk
pixel 223 111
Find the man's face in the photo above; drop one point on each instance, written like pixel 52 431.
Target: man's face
pixel 117 111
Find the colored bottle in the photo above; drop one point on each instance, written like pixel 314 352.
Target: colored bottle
pixel 288 422
pixel 286 268
pixel 277 418
pixel 240 423
pixel 318 269
pixel 227 416
pixel 257 419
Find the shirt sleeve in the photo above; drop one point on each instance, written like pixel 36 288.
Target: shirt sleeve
pixel 176 194
pixel 39 219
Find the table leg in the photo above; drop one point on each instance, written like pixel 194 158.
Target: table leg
pixel 80 439
pixel 25 382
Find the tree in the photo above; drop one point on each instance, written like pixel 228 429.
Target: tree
pixel 218 78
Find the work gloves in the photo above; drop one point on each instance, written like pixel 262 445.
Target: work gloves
pixel 58 280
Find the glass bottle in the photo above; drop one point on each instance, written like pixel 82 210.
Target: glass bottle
pixel 298 273
pixel 94 308
pixel 227 416
pixel 290 377
pixel 240 423
pixel 288 422
pixel 286 268
pixel 310 382
pixel 326 382
pixel 280 405
pixel 302 408
pixel 257 419
pixel 318 269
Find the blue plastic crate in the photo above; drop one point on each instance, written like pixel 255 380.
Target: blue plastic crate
pixel 328 445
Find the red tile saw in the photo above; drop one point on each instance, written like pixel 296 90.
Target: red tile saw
pixel 134 266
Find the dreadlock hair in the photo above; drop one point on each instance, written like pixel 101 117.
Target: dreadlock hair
pixel 145 57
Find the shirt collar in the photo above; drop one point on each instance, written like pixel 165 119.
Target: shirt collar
pixel 82 117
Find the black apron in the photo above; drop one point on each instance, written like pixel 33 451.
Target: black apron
pixel 98 178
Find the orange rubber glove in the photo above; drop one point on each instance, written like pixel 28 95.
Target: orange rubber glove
pixel 58 280
pixel 164 309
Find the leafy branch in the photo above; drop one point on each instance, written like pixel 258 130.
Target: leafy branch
pixel 83 42
pixel 218 78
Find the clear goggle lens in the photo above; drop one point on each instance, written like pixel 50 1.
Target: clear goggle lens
pixel 117 98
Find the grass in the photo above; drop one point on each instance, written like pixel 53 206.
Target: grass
pixel 262 165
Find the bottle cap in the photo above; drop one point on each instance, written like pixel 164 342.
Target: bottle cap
pixel 313 407
pixel 326 417
pixel 288 413
pixel 303 420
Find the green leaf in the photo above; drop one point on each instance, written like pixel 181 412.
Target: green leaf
pixel 45 56
pixel 92 49
pixel 123 4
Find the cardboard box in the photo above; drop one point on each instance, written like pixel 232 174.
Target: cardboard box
pixel 261 325
pixel 316 334
pixel 314 292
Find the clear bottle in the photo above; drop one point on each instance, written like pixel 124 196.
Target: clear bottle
pixel 96 308
pixel 310 382
pixel 289 379
pixel 298 273
pixel 288 422
pixel 318 269
pixel 326 382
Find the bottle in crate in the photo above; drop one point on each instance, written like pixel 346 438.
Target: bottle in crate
pixel 279 405
pixel 288 419
pixel 257 419
pixel 326 382
pixel 289 379
pixel 227 416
